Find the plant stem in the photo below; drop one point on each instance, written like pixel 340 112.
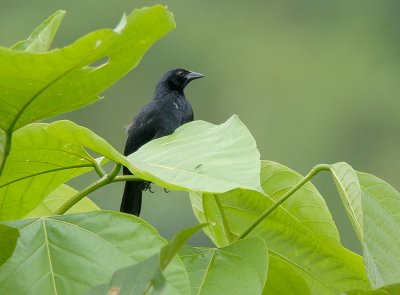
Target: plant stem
pixel 224 219
pixel 126 178
pixel 314 171
pixel 7 149
pixel 99 170
pixel 106 179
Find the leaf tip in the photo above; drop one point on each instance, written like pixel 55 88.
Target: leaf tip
pixel 61 12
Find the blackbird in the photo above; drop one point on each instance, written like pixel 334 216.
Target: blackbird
pixel 168 110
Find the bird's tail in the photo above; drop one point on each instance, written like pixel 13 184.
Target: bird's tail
pixel 132 197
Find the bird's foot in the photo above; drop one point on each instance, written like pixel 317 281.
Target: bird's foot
pixel 165 190
pixel 147 187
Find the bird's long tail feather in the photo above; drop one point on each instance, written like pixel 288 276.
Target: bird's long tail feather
pixel 132 197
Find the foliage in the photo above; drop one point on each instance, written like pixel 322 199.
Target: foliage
pixel 272 230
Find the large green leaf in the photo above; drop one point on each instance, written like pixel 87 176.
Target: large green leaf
pixel 59 197
pixel 41 38
pixel 381 230
pixel 199 156
pixel 35 86
pixel 300 233
pixel 72 253
pixel 240 268
pixel 8 240
pixel 37 165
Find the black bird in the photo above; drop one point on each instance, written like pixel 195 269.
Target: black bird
pixel 168 110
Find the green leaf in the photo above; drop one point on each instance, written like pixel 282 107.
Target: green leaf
pixel 59 197
pixel 37 165
pixel 2 145
pixel 240 268
pixel 41 38
pixel 8 240
pixel 70 254
pixel 284 278
pixel 215 216
pixel 169 251
pixel 381 230
pixel 300 233
pixel 201 157
pixel 147 275
pixel 350 192
pixel 138 279
pixel 70 132
pixel 387 290
pixel 374 209
pixel 37 86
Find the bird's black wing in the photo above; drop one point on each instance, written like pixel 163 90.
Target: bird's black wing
pixel 142 130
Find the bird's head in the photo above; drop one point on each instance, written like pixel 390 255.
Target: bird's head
pixel 177 79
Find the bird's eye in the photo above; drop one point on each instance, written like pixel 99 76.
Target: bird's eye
pixel 180 73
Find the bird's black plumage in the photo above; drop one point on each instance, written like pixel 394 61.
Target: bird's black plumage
pixel 168 110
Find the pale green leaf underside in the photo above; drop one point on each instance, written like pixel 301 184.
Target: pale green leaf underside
pixel 201 156
pixel 381 231
pixel 37 165
pixel 41 38
pixel 57 198
pixel 240 268
pixel 72 253
pixel 34 86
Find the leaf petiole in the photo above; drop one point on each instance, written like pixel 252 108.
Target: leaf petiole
pixel 104 180
pixel 314 171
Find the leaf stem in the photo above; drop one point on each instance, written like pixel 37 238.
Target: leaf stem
pixel 120 178
pixel 7 149
pixel 99 170
pixel 106 179
pixel 224 218
pixel 314 171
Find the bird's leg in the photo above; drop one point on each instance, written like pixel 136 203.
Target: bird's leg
pixel 147 187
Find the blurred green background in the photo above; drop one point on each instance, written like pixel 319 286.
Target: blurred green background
pixel 315 81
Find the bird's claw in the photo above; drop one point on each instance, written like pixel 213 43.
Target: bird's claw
pixel 147 187
pixel 165 190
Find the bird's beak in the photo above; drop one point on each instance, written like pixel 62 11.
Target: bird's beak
pixel 193 75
